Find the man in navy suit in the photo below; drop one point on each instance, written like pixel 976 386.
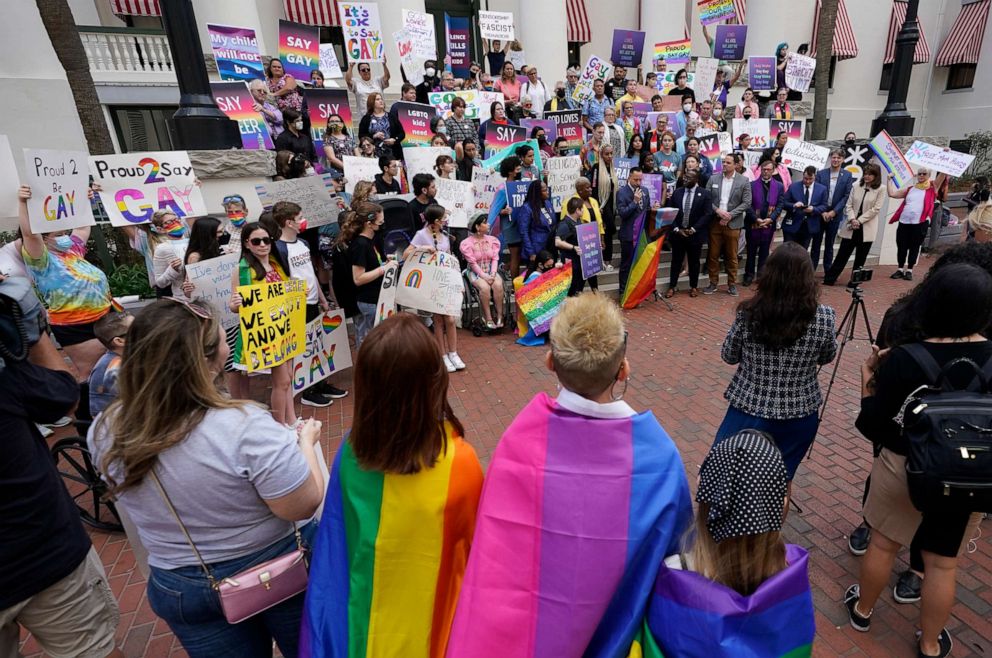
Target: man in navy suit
pixel 632 200
pixel 838 183
pixel 805 202
pixel 689 231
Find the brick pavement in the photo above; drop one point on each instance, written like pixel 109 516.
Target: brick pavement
pixel 677 372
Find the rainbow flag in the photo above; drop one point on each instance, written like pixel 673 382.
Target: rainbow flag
pixel 690 615
pixel 644 268
pixel 576 515
pixel 541 299
pixel 389 557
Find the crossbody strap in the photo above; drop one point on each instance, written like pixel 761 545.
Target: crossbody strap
pixel 182 526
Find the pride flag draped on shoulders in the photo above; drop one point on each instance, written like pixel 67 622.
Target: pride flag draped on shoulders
pixel 644 266
pixel 577 512
pixel 389 557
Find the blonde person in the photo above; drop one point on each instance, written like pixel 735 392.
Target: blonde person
pixel 170 252
pixel 979 220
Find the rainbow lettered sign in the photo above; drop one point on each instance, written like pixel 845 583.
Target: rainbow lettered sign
pixel 234 100
pixel 299 48
pixel 674 52
pixel 326 351
pixel 362 31
pixel 59 182
pixel 135 185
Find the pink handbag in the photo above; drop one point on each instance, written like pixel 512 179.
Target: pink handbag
pixel 254 590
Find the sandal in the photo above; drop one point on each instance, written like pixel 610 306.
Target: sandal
pixel 944 641
pixel 490 325
pixel 694 292
pixel 670 293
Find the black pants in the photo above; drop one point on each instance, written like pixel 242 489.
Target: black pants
pixel 803 236
pixel 909 239
pixel 626 262
pixel 685 248
pixel 610 230
pixel 578 283
pixel 757 254
pixel 854 244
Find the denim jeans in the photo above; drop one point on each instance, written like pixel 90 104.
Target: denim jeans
pixel 363 322
pixel 184 599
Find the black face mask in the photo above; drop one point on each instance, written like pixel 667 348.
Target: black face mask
pixel 560 93
pixel 849 142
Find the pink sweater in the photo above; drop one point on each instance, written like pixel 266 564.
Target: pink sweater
pixel 482 255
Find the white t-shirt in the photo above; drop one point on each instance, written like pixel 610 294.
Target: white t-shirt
pixel 11 263
pixel 913 211
pixel 538 94
pixel 301 267
pixel 362 90
pixel 726 186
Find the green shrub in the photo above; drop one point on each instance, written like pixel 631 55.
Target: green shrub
pixel 130 280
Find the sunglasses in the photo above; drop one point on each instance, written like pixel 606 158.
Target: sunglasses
pixel 236 198
pixel 364 70
pixel 258 242
pixel 195 310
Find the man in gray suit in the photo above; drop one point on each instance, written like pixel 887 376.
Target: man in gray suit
pixel 731 193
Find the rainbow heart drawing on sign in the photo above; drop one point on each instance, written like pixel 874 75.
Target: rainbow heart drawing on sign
pixel 541 299
pixel 331 322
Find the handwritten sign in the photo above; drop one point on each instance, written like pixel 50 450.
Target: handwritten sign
pixel 798 155
pixel 761 73
pixel 714 11
pixel 362 31
pixel 299 48
pixel 211 281
pixel 419 26
pixel 310 193
pixel 590 255
pixel 541 299
pixel 272 321
pixel 757 129
pixel 431 282
pixel 357 169
pixel 496 25
pixel 326 351
pixel 135 185
pixel 628 47
pixel 421 159
pixel 409 60
pixel 477 103
pixel 234 100
pixel 329 65
pixel 485 183
pixel 674 52
pixel 596 68
pixel 458 198
pixel 705 79
pixel 666 82
pixel 892 159
pixel 729 42
pixel 799 72
pixel 563 171
pixel 236 52
pixel 59 182
pixel 933 157
pixel 386 304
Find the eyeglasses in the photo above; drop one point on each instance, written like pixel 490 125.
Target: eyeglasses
pixel 195 310
pixel 364 70
pixel 257 242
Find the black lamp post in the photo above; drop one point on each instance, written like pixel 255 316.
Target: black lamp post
pixel 894 118
pixel 198 123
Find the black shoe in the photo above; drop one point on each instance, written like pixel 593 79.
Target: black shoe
pixel 907 275
pixel 748 280
pixel 896 275
pixel 907 589
pixel 332 392
pixel 312 398
pixel 851 598
pixel 710 289
pixel 857 543
pixel 829 282
pixel 943 640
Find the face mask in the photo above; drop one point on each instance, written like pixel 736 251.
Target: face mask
pixel 687 107
pixel 429 72
pixel 336 128
pixel 310 171
pixel 717 112
pixel 303 224
pixel 63 242
pixel 298 125
pixel 442 130
pixel 237 219
pixel 560 93
pixel 174 229
pixel 747 116
pixel 849 142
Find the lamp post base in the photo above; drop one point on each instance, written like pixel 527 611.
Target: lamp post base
pixel 205 132
pixel 898 124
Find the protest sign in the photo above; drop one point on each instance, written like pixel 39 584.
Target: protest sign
pixel 477 103
pixel 761 73
pixel 655 184
pixel 937 158
pixel 563 171
pixel 892 159
pixel 59 182
pixel 357 168
pixel 409 60
pixel 757 129
pixel 799 72
pixel 456 30
pixel 329 65
pixel 729 42
pixel 363 39
pixel 415 118
pixel 541 299
pixel 493 162
pixel 234 100
pixel 309 192
pixel 628 48
pixel 419 26
pixel 496 25
pixel 326 351
pixel 9 203
pixel 236 52
pixel 674 52
pixel 385 306
pixel 705 77
pixel 623 166
pixel 550 128
pixel 709 147
pixel 432 282
pixel 640 111
pixel 516 193
pixel 651 119
pixel 421 159
pixel 485 182
pixel 798 155
pixel 211 281
pixel 666 82
pixel 751 158
pixel 590 252
pixel 135 185
pixel 272 321
pixel 299 48
pixel 596 68
pixel 499 137
pixel 714 11
pixel 794 128
pixel 458 198
pixel 322 104
pixel 569 124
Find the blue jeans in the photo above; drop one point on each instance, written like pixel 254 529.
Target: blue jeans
pixel 793 436
pixel 184 599
pixel 827 235
pixel 363 322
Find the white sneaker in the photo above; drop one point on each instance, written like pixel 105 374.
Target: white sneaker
pixel 456 361
pixel 45 431
pixel 448 364
pixel 608 268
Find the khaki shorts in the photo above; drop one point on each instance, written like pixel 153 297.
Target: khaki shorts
pixel 74 618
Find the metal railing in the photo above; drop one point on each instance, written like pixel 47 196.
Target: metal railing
pixel 128 55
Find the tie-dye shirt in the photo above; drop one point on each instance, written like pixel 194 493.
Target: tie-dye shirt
pixel 74 290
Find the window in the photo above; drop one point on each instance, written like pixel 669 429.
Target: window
pixel 143 128
pixel 961 76
pixel 573 53
pixel 886 81
pixel 335 35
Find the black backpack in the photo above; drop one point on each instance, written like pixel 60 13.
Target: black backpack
pixel 949 432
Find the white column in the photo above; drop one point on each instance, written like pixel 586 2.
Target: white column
pixel 257 15
pixel 391 17
pixel 661 21
pixel 542 28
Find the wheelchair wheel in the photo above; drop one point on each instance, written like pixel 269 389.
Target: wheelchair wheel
pixel 75 465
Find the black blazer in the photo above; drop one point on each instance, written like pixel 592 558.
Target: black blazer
pixel 395 131
pixel 700 214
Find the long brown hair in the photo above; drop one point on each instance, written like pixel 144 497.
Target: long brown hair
pixel 363 213
pixel 363 192
pixel 401 399
pixel 740 563
pixel 785 304
pixel 166 387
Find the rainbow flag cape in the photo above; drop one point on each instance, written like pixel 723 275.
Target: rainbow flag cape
pixel 690 615
pixel 389 557
pixel 576 515
pixel 541 299
pixel 644 267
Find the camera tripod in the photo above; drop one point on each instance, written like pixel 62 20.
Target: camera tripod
pixel 845 332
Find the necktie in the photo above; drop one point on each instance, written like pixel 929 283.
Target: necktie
pixel 809 193
pixel 686 206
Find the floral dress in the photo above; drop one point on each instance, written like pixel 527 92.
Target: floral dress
pixel 293 101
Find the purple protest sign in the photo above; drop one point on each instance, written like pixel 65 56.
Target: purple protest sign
pixel 729 42
pixel 628 47
pixel 655 184
pixel 456 30
pixel 590 254
pixel 761 73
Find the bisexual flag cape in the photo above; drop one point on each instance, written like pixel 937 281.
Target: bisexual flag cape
pixel 576 515
pixel 389 557
pixel 644 266
pixel 689 616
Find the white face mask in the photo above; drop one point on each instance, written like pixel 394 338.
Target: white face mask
pixel 687 108
pixel 298 125
pixel 717 112
pixel 311 171
pixel 429 72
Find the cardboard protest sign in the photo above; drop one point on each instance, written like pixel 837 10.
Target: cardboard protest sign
pixel 135 185
pixel 499 137
pixel 798 155
pixel 458 198
pixel 761 73
pixel 628 48
pixel 9 203
pixel 516 193
pixel 799 72
pixel 666 82
pixel 363 38
pixel 563 171
pixel 408 56
pixel 358 168
pixel 590 254
pixel 432 282
pixel 729 42
pixel 385 306
pixel 541 299
pixel 299 48
pixel 59 181
pixel 310 193
pixel 596 68
pixel 211 281
pixel 757 129
pixel 674 52
pixel 937 158
pixel 421 159
pixel 416 121
pixel 234 100
pixel 326 351
pixel 794 128
pixel 456 29
pixel 272 321
pixel 236 52
pixel 329 64
pixel 419 27
pixel 714 11
pixel 892 159
pixel 496 25
pixel 485 183
pixel 705 78
pixel 569 126
pixel 477 103
pixel 323 104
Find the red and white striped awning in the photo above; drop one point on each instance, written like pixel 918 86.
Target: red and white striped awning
pixel 964 42
pixel 740 6
pixel 578 21
pixel 845 42
pixel 135 7
pixel 922 53
pixel 312 12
